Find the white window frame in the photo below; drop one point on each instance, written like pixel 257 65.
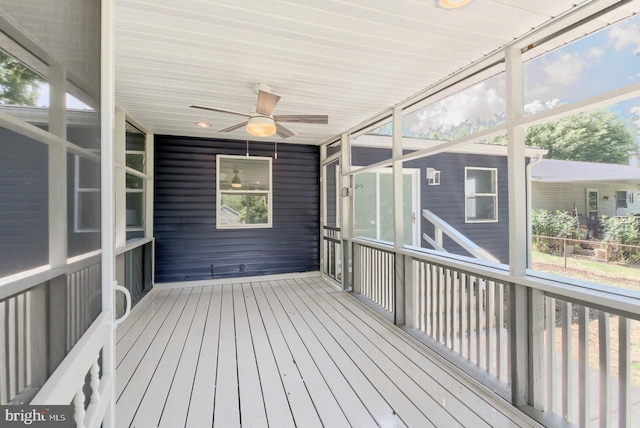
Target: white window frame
pixel 128 191
pixel 77 191
pixel 626 199
pixel 267 193
pixel 468 195
pixel 414 173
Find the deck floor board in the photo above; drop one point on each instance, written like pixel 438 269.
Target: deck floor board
pixel 284 353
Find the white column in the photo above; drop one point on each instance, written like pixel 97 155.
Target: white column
pixel 107 107
pixel 120 158
pixel 516 165
pixel 519 301
pixel 148 209
pixel 398 217
pixel 57 168
pixel 346 207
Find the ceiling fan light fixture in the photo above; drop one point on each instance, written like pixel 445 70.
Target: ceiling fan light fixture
pixel 203 124
pixel 235 181
pixel 261 126
pixel 452 4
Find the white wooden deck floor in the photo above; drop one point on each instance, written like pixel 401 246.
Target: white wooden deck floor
pixel 282 354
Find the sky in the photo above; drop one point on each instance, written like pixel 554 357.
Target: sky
pixel 600 62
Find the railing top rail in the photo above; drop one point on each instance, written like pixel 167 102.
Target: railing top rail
pixel 613 300
pixel 133 245
pixel 70 374
pixel 458 237
pixel 376 245
pixel 16 284
pixel 337 229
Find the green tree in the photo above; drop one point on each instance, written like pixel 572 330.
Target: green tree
pixel 596 136
pixel 18 84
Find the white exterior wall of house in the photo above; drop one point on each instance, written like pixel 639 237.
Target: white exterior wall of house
pixel 563 196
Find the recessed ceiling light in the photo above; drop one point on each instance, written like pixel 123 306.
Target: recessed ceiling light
pixel 203 124
pixel 452 4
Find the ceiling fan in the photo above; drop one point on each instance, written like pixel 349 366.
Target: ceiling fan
pixel 261 122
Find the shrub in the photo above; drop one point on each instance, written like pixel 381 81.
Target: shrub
pixel 558 224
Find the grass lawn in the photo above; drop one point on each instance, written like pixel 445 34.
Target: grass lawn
pixel 590 270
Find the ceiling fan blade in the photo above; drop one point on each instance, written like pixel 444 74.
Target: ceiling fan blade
pixel 233 127
pixel 266 102
pixel 302 118
pixel 284 132
pixel 220 110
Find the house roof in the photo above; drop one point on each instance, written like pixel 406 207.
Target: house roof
pixel 352 60
pixel 562 171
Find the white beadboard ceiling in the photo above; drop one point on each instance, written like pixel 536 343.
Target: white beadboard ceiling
pixel 349 59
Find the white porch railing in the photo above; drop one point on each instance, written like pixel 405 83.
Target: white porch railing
pixel 374 274
pixel 332 252
pixel 66 384
pixel 442 227
pixel 553 348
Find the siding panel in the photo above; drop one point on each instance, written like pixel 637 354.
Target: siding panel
pixel 188 245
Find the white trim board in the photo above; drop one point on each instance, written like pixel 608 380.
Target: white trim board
pixel 236 280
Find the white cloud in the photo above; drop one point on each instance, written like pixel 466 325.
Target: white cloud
pixel 481 101
pixel 566 69
pixel 595 53
pixel 625 35
pixel 538 106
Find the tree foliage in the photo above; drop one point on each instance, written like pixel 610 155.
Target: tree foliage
pixel 596 136
pixel 18 84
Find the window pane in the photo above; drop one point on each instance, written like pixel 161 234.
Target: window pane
pixel 135 139
pixel 135 209
pixel 89 173
pixel 136 161
pixel 244 209
pixel 134 182
pixel 480 181
pixel 242 173
pixel 88 211
pixel 23 92
pixel 622 199
pixel 481 208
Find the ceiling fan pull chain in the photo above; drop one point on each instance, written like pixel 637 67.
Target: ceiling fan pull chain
pixel 276 153
pixel 247 147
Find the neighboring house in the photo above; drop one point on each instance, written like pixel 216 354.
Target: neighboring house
pixel 229 215
pixel 455 201
pixel 593 189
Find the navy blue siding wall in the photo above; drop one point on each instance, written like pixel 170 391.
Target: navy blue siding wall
pixel 188 245
pixel 447 199
pixel 24 203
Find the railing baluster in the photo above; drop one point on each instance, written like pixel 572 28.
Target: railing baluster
pixel 27 337
pixel 440 303
pixel 425 299
pixel 499 326
pixel 434 301
pixel 461 309
pixel 567 372
pixel 583 365
pixel 78 409
pixel 11 330
pixel 19 343
pixel 95 381
pixel 490 313
pixel 624 373
pixel 447 306
pixel 604 343
pixel 479 296
pixel 469 293
pixel 550 330
pixel 453 289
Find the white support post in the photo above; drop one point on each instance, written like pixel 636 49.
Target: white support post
pixel 107 108
pixel 518 302
pixel 346 213
pixel 57 168
pixel 120 158
pixel 346 206
pixel 398 226
pixel 149 196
